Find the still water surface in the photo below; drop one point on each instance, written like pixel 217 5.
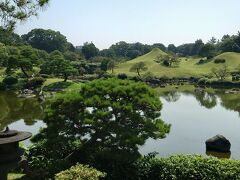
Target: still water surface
pixel 195 116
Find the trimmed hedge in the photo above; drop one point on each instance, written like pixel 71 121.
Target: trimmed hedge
pixel 80 172
pixel 218 61
pixel 191 167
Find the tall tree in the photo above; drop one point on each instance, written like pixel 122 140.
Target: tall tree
pixel 172 48
pixel 221 73
pixel 208 50
pixel 138 67
pixel 89 50
pixel 111 65
pixel 47 40
pixel 59 67
pixel 198 45
pixel 123 114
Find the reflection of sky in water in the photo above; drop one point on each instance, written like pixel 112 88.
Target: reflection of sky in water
pixel 192 125
pixel 21 126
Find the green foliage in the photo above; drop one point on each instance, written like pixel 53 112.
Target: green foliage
pixel 58 66
pixel 109 118
pixel 57 86
pixel 89 50
pixel 187 167
pixel 186 67
pixel 36 82
pixel 104 64
pixel 2 86
pixel 148 76
pixel 138 67
pixel 208 51
pixel 230 43
pixel 111 65
pixel 221 73
pixel 47 40
pixel 122 76
pixel 172 48
pixel 9 38
pixel 217 61
pixel 10 80
pixel 80 172
pixel 12 11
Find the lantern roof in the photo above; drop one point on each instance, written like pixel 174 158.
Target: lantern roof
pixel 11 136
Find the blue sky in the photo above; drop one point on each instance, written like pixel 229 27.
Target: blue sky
pixel 105 22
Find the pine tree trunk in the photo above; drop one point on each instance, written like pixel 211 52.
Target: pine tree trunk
pixel 24 72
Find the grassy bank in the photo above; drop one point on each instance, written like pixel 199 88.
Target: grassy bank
pixel 187 67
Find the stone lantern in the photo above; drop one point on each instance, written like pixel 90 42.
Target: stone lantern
pixel 10 152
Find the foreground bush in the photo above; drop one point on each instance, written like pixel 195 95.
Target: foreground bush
pixel 80 172
pixel 10 80
pixel 35 82
pixel 187 168
pixel 2 86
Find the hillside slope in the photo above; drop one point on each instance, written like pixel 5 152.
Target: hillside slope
pixel 187 67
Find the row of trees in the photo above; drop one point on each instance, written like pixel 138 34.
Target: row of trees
pixel 25 58
pixel 50 40
pixel 198 48
pixel 210 49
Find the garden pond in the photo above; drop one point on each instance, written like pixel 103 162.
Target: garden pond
pixel 194 114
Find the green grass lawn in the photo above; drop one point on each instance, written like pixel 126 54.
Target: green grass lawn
pixel 187 67
pixel 68 86
pixel 51 80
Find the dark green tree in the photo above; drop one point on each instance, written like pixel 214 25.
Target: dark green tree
pixel 111 65
pixel 172 48
pixel 104 64
pixel 197 47
pixel 208 50
pixel 89 50
pixel 47 40
pixel 138 67
pixel 59 67
pixel 3 54
pixel 160 46
pixel 109 118
pixel 9 38
pixel 25 65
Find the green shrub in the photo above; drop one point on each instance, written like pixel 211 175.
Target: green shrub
pixel 148 76
pixel 187 168
pixel 166 63
pixel 10 80
pixel 2 86
pixel 122 76
pixel 218 61
pixel 201 61
pixel 202 81
pixel 36 82
pixel 80 172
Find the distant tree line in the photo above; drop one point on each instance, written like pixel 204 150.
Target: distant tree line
pixel 54 55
